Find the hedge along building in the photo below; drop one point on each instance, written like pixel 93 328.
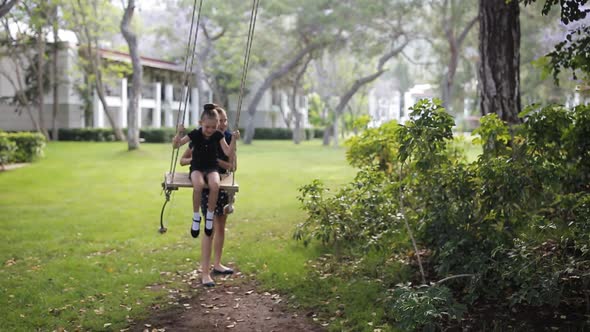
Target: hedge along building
pixel 162 91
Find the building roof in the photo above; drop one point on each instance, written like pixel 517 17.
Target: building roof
pixel 145 61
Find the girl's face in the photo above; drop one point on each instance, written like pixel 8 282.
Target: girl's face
pixel 222 121
pixel 209 126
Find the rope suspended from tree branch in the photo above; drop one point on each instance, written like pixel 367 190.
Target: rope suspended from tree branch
pixel 253 15
pixel 188 69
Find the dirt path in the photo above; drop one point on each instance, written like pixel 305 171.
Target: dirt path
pixel 233 304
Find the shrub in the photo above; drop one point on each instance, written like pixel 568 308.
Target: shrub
pixel 423 308
pixel 375 147
pixel 157 135
pixel 517 219
pixel 7 150
pixel 29 146
pixel 273 133
pixel 87 134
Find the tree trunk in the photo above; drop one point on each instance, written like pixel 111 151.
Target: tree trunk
pixel 133 109
pixel 499 43
pixel 297 130
pixel 327 134
pixel 455 42
pixel 18 86
pixel 40 81
pixel 94 63
pixel 55 76
pixel 280 72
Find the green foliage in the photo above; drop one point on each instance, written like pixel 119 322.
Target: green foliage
pixel 517 219
pixel 273 133
pixel 157 135
pixel 87 134
pixel 422 308
pixel 493 136
pixel 7 149
pixel 573 53
pixel 29 146
pixel 362 213
pixel 164 135
pixel 316 111
pixel 424 137
pixel 375 147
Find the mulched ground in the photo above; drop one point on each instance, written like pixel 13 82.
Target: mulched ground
pixel 234 304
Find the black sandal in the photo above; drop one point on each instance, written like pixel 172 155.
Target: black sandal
pixel 208 231
pixel 195 232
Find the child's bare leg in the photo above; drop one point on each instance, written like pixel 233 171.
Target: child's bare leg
pixel 218 239
pixel 198 184
pixel 213 183
pixel 206 279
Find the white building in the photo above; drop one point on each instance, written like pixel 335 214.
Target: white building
pixel 385 101
pixel 162 91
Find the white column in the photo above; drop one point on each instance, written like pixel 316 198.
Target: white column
pixel 124 104
pixel 97 111
pixel 169 110
pixel 156 121
pixel 139 111
pixel 194 106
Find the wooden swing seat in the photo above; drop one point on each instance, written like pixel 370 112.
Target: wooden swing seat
pixel 181 180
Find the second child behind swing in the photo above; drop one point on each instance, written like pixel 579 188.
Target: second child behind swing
pixel 204 169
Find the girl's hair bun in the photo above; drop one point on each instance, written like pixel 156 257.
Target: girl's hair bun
pixel 208 107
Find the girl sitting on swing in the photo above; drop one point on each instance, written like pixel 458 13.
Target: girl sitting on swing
pixel 204 169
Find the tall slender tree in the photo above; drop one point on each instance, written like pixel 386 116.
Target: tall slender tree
pixel 89 19
pixel 55 78
pixel 133 109
pixel 454 13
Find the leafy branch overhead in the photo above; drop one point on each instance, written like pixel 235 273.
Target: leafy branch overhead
pixel 573 53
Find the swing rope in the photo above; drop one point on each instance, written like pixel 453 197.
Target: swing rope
pixel 253 15
pixel 191 47
pixel 182 106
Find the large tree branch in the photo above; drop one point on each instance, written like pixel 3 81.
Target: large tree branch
pixel 466 30
pixel 7 6
pixel 278 73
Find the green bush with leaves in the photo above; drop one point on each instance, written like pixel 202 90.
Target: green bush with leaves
pixel 29 146
pixel 375 146
pixel 422 308
pixel 87 134
pixel 157 135
pixel 360 214
pixel 7 150
pixel 516 220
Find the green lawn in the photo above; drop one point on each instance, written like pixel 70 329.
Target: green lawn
pixel 79 229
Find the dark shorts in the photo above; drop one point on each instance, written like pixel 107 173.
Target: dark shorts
pixel 222 200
